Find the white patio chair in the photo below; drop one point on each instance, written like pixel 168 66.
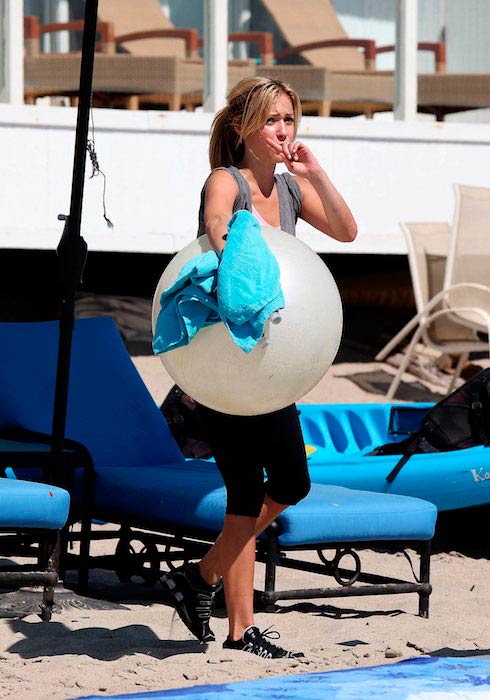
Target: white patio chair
pixel 467 274
pixel 435 324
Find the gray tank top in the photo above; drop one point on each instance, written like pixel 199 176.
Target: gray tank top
pixel 288 194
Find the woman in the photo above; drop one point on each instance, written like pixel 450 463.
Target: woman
pixel 253 134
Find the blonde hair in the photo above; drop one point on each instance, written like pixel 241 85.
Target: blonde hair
pixel 249 105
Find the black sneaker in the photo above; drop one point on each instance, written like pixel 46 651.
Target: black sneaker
pixel 193 603
pixel 256 642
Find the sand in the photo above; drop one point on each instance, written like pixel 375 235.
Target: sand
pixel 124 639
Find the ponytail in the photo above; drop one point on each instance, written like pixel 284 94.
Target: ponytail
pixel 225 144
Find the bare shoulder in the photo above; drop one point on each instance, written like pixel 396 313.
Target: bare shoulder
pixel 221 194
pixel 223 180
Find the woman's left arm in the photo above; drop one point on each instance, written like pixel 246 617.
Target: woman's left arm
pixel 323 206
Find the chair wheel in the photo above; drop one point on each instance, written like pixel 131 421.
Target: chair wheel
pixel 144 563
pixel 344 578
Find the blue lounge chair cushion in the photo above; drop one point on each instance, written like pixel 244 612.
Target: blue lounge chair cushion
pixel 339 514
pixel 27 504
pixel 192 496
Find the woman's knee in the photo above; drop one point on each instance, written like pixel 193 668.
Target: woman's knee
pixel 289 493
pixel 305 490
pixel 301 491
pixel 247 502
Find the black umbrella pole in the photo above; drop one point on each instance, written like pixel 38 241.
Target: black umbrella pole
pixel 84 105
pixel 72 249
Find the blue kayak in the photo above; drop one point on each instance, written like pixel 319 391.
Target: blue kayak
pixel 339 438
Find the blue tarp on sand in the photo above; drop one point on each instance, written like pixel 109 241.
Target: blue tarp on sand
pixel 414 679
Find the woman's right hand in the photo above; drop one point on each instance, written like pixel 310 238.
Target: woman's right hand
pixel 297 157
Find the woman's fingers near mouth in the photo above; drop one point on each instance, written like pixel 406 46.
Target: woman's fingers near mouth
pixel 286 149
pixel 290 148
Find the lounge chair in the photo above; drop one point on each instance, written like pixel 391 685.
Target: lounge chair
pixel 142 31
pixel 467 275
pixel 54 74
pixel 145 485
pixel 333 73
pixel 166 72
pixel 118 79
pixel 147 17
pixel 31 517
pixel 434 325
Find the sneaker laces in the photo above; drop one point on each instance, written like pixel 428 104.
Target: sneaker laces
pixel 204 607
pixel 262 640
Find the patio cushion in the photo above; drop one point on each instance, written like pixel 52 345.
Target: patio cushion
pixel 339 514
pixel 27 504
pixel 192 496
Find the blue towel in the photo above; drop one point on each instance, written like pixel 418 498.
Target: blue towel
pixel 249 288
pixel 241 288
pixel 189 304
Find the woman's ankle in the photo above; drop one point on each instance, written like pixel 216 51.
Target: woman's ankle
pixel 209 577
pixel 235 632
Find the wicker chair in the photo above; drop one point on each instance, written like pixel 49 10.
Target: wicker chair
pixel 442 94
pixel 146 36
pixel 333 73
pixel 122 79
pixel 57 74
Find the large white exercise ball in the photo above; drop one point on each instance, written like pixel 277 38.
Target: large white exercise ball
pixel 214 371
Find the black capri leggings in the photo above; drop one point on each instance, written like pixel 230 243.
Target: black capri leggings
pixel 245 446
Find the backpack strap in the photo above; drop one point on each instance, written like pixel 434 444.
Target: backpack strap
pixel 475 418
pixel 172 409
pixel 479 410
pixel 411 448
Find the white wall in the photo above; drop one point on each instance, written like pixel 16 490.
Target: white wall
pixel 156 162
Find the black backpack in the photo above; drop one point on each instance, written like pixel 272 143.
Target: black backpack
pixel 458 421
pixel 185 424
